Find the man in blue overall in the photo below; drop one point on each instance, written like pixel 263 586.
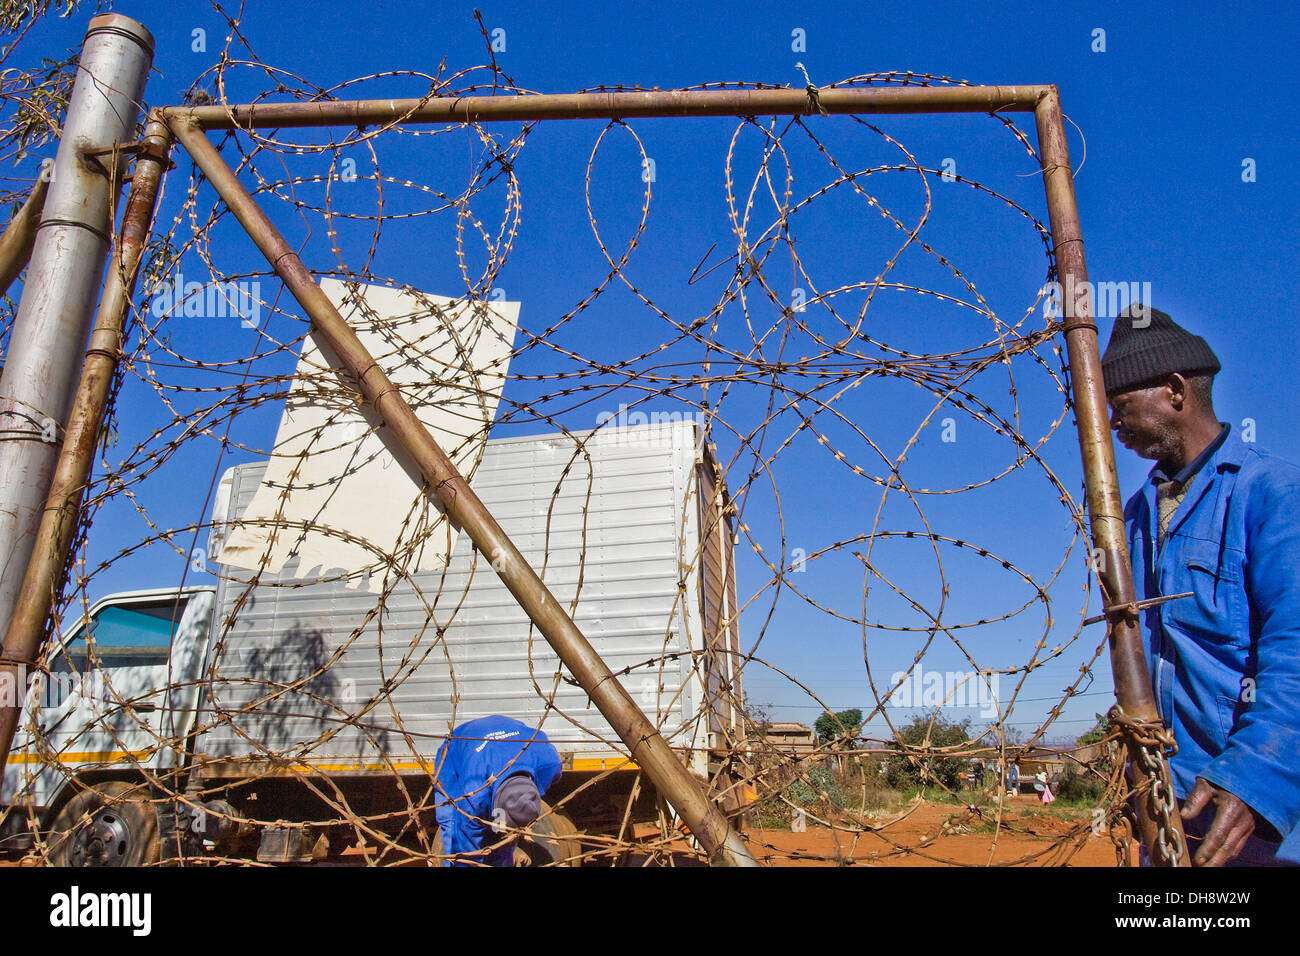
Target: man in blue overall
pixel 491 774
pixel 1217 517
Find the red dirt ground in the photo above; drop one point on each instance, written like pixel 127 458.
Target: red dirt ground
pixel 920 839
pixel 915 838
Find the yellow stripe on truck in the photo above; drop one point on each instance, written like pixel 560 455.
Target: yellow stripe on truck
pixel 109 756
pixel 585 763
pixel 603 763
pixel 83 756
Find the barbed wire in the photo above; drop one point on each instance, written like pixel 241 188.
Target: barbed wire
pixel 767 378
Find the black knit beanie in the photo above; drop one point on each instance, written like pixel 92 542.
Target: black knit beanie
pixel 1146 346
pixel 517 796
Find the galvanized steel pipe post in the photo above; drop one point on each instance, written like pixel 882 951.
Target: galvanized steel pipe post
pixel 22 640
pixel 63 277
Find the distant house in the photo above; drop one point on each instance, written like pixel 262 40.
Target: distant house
pixel 1089 753
pixel 1040 760
pixel 791 738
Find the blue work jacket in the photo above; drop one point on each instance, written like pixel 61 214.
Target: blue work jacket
pixel 1225 662
pixel 476 759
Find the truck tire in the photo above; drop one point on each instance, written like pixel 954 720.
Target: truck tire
pixel 111 824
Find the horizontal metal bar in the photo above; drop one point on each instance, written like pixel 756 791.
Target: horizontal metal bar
pixel 613 105
pixel 1135 606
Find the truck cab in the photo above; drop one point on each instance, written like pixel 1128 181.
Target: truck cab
pixel 113 695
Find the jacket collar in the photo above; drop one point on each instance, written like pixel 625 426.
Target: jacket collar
pixel 1230 455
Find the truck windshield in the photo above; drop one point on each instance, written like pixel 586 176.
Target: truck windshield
pixel 138 634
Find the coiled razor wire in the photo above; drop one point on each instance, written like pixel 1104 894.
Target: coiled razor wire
pixel 767 378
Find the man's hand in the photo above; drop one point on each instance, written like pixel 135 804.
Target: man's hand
pixel 1233 824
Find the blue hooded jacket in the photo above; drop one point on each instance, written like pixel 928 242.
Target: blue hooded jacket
pixel 476 759
pixel 1225 662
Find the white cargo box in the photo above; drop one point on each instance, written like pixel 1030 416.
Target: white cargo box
pixel 352 677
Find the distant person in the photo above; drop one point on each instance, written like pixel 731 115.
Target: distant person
pixel 977 772
pixel 1216 517
pixel 491 775
pixel 1043 787
pixel 1013 780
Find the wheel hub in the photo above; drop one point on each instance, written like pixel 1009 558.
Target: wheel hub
pixel 104 841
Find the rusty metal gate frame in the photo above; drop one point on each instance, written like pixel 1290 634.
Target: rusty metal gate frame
pixel 1159 825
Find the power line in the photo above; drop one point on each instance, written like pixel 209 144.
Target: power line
pixel 1018 700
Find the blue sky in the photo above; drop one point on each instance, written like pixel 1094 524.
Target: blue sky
pixel 1169 112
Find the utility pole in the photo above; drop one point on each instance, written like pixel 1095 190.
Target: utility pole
pixel 63 277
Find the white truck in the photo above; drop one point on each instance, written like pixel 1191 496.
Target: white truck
pixel 278 717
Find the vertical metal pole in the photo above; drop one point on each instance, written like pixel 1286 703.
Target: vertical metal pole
pixel 1133 689
pixel 59 521
pixel 20 236
pixel 67 264
pixel 649 749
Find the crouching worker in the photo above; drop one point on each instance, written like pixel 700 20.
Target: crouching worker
pixel 492 773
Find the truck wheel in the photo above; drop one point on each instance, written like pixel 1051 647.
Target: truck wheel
pixel 111 824
pixel 553 842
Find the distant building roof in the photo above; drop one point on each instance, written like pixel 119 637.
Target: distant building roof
pixel 788 727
